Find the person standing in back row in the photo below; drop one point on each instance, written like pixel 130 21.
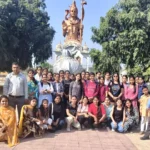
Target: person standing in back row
pixel 15 87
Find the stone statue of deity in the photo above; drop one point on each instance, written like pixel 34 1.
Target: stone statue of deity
pixel 73 31
pixel 72 26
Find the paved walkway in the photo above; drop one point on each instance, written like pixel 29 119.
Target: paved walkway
pixel 79 140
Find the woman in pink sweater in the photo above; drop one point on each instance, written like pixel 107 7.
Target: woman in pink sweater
pixel 131 91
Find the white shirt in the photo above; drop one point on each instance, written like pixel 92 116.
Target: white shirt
pixel 16 85
pixel 106 82
pixel 37 77
pixel 82 108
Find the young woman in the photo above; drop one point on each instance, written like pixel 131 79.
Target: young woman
pixel 117 116
pixel 45 90
pixel 82 112
pixel 58 86
pixel 29 122
pixel 46 120
pixel 131 91
pixel 108 108
pixel 57 113
pixel 76 88
pixel 103 90
pixel 8 123
pixel 32 84
pixel 71 112
pixel 115 88
pixel 130 116
pixel 97 114
pixel 50 77
pixel 38 76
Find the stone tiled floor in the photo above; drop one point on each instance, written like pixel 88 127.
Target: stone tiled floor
pixel 80 140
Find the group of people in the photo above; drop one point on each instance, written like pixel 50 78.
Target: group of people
pixel 41 100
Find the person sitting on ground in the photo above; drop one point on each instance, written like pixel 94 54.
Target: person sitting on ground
pixel 71 112
pixel 117 116
pixel 8 123
pixel 97 114
pixel 130 116
pixel 108 108
pixel 46 120
pixel 83 112
pixel 29 122
pixel 57 113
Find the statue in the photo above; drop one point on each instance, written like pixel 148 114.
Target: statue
pixel 72 26
pixel 71 49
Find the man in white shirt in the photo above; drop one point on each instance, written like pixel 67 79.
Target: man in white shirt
pixel 38 76
pixel 16 88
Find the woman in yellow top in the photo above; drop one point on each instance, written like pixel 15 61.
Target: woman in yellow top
pixel 8 123
pixel 29 122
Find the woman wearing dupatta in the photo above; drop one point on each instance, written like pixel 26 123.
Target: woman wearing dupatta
pixel 28 120
pixel 8 123
pixel 32 84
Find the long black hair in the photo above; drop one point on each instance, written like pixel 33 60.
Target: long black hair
pixel 131 107
pixel 44 112
pixel 134 82
pixel 34 81
pixel 118 78
pixel 35 110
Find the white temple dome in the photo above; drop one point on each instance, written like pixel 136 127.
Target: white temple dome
pixel 85 47
pixel 59 46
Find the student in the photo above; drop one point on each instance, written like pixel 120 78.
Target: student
pixel 124 80
pixel 117 116
pixel 29 122
pixel 58 86
pixel 107 78
pixel 66 84
pixel 131 91
pixel 32 84
pixel 83 76
pixel 38 76
pixel 147 133
pixel 71 112
pixel 45 118
pixel 87 76
pixel 45 90
pixel 82 112
pixel 72 77
pixel 57 113
pixel 137 80
pixel 50 77
pixel 103 90
pixel 97 114
pixel 115 88
pixel 61 74
pixel 45 71
pixel 98 76
pixel 141 84
pixel 108 108
pixel 143 110
pixel 76 88
pixel 8 122
pixel 91 88
pixel 130 116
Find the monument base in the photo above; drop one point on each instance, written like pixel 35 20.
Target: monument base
pixel 67 63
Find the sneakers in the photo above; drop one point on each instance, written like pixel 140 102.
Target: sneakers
pixel 112 130
pixel 68 129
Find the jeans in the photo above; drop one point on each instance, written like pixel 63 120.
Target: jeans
pixel 117 127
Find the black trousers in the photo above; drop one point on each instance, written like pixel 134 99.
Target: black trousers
pixel 82 119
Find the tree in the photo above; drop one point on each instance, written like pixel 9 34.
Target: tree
pixel 25 33
pixel 104 63
pixel 125 33
pixel 47 65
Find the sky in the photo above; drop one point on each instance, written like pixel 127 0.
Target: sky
pixel 93 11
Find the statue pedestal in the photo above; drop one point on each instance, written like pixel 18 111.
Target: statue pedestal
pixel 71 56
